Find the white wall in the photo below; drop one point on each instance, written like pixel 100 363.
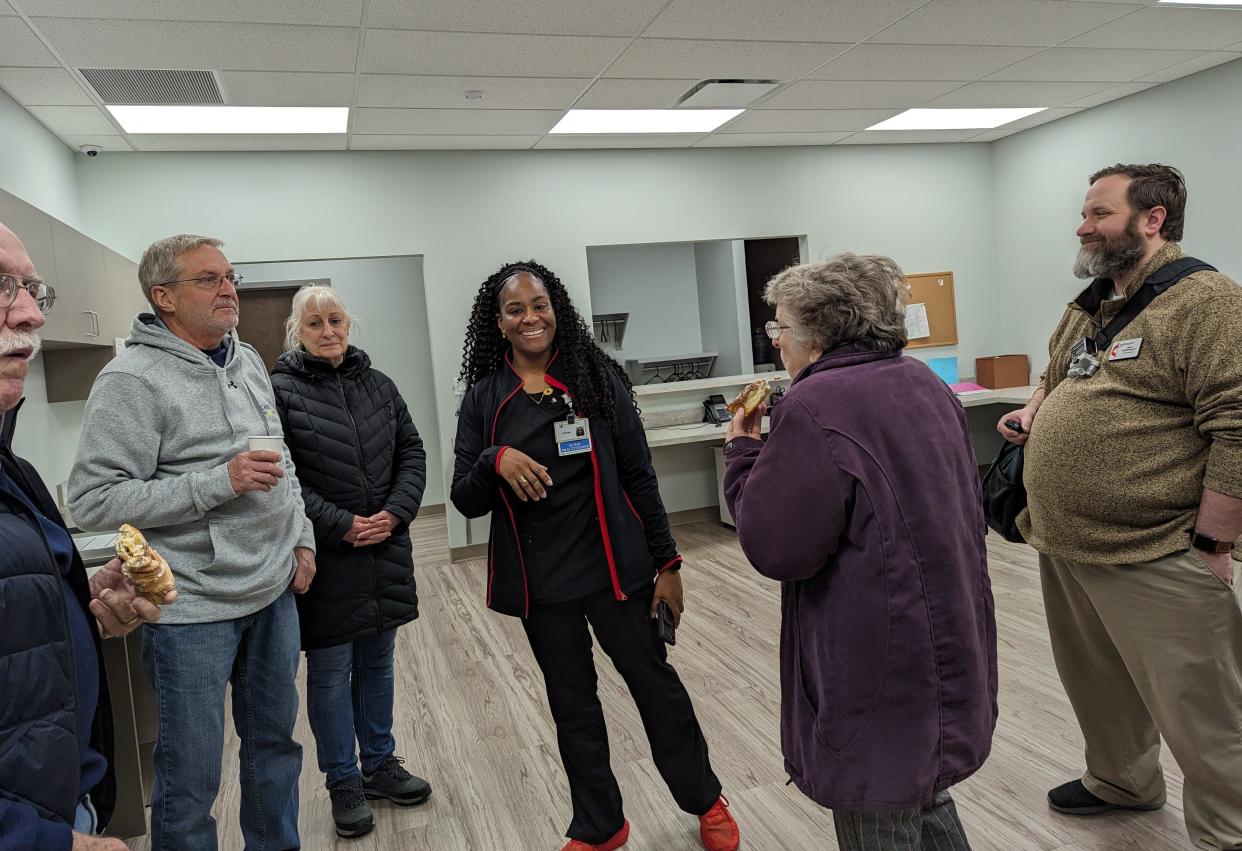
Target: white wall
pixel 656 285
pixel 35 165
pixel 1040 178
pixel 466 213
pixel 723 308
pixel 386 296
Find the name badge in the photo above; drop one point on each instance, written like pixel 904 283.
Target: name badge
pixel 572 438
pixel 1125 349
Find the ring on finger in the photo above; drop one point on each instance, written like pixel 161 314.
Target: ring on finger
pixel 523 480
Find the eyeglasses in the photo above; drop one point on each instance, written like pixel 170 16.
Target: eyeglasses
pixel 773 329
pixel 207 282
pixel 43 294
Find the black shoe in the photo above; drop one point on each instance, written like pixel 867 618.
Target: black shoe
pixel 1074 799
pixel 350 809
pixel 394 783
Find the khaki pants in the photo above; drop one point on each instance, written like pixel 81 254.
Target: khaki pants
pixel 1155 649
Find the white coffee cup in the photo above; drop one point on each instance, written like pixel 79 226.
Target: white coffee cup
pixel 267 443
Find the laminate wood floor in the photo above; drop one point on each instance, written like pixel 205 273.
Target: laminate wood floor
pixel 471 716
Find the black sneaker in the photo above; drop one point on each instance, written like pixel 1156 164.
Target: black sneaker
pixel 1074 799
pixel 394 783
pixel 350 809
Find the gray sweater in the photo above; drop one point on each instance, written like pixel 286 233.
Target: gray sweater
pixel 161 425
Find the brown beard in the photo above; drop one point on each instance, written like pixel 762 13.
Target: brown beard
pixel 1114 256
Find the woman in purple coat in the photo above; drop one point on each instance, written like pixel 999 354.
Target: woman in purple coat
pixel 864 501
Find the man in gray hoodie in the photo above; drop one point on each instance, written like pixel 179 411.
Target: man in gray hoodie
pixel 164 447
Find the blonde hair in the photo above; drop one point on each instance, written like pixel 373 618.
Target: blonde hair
pixel 316 297
pixel 849 298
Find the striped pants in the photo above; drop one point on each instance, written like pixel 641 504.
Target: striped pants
pixel 934 828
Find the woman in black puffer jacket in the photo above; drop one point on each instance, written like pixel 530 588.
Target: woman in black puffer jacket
pixel 362 469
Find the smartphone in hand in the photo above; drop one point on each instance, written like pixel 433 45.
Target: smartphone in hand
pixel 665 626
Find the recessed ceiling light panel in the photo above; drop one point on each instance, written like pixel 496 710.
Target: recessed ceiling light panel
pixel 955 119
pixel 626 121
pixel 214 120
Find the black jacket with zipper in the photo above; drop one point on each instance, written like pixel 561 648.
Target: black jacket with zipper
pixel 357 452
pixel 632 519
pixel 39 750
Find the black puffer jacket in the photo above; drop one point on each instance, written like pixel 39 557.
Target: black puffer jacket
pixel 357 452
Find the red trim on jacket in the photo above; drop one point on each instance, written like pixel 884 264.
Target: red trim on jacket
pixel 517 542
pixel 517 539
pixel 634 510
pixel 599 502
pixel 500 452
pixel 674 562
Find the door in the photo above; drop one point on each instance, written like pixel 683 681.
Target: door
pixel 262 321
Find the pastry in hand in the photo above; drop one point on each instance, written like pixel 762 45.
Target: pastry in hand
pixel 143 566
pixel 751 398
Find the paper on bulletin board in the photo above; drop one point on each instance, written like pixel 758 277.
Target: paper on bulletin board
pixel 916 321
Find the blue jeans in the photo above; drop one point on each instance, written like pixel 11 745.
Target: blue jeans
pixel 349 694
pixel 190 665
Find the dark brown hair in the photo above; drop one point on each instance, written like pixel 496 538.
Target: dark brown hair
pixel 1154 185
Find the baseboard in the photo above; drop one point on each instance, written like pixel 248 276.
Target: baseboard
pixel 466 553
pixel 694 515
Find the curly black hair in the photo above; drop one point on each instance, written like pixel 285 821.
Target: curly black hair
pixel 586 365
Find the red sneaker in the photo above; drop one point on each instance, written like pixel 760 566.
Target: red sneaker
pixel 615 841
pixel 717 828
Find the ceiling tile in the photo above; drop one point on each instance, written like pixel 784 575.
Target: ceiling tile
pixel 908 137
pixel 89 43
pixel 20 47
pixel 1200 63
pixel 341 13
pixel 241 142
pixel 108 143
pixel 1081 63
pixel 634 94
pixel 751 140
pixel 482 54
pixel 536 17
pixel 74 120
pixel 501 122
pixel 1004 22
pixel 43 86
pixel 985 95
pixel 856 94
pixel 286 88
pixel 806 120
pixel 407 91
pixel 440 143
pixel 779 20
pixel 1168 29
pixel 920 62
pixel 1113 93
pixel 705 60
pixel 1045 117
pixel 659 140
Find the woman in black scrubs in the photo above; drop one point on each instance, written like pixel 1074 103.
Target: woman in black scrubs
pixel 549 441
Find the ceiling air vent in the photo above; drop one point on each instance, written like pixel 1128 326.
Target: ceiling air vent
pixel 726 94
pixel 147 86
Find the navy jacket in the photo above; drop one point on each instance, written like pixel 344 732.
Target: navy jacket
pixel 357 452
pixel 39 751
pixel 632 519
pixel 865 502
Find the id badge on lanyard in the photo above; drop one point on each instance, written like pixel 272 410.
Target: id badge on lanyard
pixel 573 435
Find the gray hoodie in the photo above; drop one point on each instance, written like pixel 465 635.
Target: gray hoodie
pixel 161 425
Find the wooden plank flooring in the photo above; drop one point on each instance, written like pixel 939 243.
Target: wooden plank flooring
pixel 471 717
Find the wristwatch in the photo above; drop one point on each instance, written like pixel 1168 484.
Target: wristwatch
pixel 1207 544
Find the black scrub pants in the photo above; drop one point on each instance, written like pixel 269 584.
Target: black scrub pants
pixel 561 643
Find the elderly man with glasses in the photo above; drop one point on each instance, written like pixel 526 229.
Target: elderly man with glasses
pixel 56 783
pixel 165 448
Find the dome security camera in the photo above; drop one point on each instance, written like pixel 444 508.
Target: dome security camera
pixel 91 151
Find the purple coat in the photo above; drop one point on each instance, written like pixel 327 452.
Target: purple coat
pixel 864 501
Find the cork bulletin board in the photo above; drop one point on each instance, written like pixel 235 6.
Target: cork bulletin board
pixel 931 311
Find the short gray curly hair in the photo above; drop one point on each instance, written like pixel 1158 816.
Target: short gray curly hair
pixel 848 298
pixel 159 261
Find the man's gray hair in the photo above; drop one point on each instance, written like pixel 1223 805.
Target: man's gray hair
pixel 159 262
pixel 849 298
pixel 312 297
